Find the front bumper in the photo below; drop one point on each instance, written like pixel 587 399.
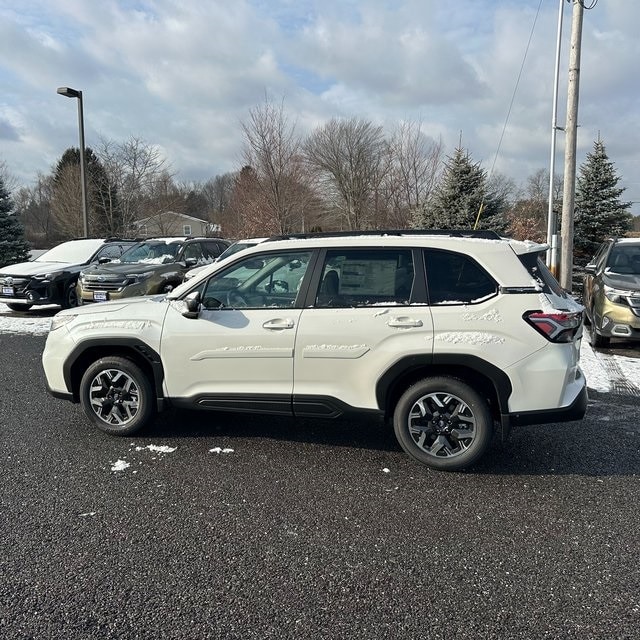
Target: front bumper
pixel 86 296
pixel 619 321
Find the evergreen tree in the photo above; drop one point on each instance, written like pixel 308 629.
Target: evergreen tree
pixel 462 197
pixel 599 211
pixel 13 247
pixel 105 216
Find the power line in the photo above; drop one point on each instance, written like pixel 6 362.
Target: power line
pixel 513 97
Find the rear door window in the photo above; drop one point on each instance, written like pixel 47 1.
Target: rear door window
pixel 366 277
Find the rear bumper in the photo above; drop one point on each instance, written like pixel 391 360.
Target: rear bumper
pixel 575 411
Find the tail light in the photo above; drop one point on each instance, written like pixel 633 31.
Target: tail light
pixel 555 327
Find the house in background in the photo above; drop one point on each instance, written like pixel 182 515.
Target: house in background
pixel 172 223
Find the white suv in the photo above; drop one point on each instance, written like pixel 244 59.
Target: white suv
pixel 452 335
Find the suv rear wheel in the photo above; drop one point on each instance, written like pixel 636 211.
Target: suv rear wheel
pixel 443 423
pixel 117 396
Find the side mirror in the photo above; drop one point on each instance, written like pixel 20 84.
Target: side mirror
pixel 104 260
pixel 590 268
pixel 191 262
pixel 192 305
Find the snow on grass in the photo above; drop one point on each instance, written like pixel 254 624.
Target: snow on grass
pixel 12 322
pixel 220 450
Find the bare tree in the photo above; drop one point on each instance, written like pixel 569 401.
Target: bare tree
pixel 527 216
pixel 272 149
pixel 136 171
pixel 351 158
pixel 217 192
pixel 162 195
pixel 248 214
pixel 416 162
pixel 7 178
pixel 33 204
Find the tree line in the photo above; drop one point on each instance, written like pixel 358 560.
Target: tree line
pixel 347 174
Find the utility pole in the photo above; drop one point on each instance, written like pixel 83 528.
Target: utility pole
pixel 571 130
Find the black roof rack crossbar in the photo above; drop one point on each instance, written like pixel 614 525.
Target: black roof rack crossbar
pixel 484 234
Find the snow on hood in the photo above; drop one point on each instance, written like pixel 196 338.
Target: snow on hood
pixel 33 268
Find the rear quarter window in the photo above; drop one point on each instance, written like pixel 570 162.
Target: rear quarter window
pixel 540 274
pixel 455 278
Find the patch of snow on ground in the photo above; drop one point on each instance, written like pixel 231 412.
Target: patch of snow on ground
pixel 220 450
pixel 157 448
pixel 630 368
pixel 594 372
pixel 120 465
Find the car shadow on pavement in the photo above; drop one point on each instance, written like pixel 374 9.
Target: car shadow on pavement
pixel 600 445
pixel 605 443
pixel 355 432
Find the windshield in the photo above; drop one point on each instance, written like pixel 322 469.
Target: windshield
pixel 239 246
pixel 151 252
pixel 73 252
pixel 625 260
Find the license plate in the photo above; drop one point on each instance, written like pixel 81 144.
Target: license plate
pixel 8 291
pixel 100 296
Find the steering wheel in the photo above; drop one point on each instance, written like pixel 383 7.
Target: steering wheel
pixel 235 299
pixel 278 286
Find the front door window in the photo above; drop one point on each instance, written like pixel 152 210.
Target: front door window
pixel 271 280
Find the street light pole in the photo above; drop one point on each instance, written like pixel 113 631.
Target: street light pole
pixel 552 221
pixel 74 93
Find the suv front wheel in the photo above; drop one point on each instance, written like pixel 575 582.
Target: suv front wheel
pixel 443 423
pixel 117 396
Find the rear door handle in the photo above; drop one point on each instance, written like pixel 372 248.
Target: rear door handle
pixel 404 323
pixel 278 324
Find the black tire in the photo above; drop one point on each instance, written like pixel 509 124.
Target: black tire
pixel 16 306
pixel 598 341
pixel 70 297
pixel 427 421
pixel 117 396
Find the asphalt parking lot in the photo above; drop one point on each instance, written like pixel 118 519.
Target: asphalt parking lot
pixel 217 526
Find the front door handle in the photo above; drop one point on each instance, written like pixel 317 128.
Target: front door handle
pixel 277 324
pixel 404 323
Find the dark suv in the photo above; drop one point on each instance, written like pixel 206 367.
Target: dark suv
pixel 51 278
pixel 152 266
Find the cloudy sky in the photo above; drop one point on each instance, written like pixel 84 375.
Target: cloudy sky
pixel 182 75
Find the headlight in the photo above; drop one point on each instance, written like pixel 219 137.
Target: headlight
pixel 134 278
pixel 616 296
pixel 48 276
pixel 59 321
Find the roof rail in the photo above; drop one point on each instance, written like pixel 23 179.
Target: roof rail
pixel 484 234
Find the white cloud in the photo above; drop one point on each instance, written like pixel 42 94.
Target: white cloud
pixel 183 75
